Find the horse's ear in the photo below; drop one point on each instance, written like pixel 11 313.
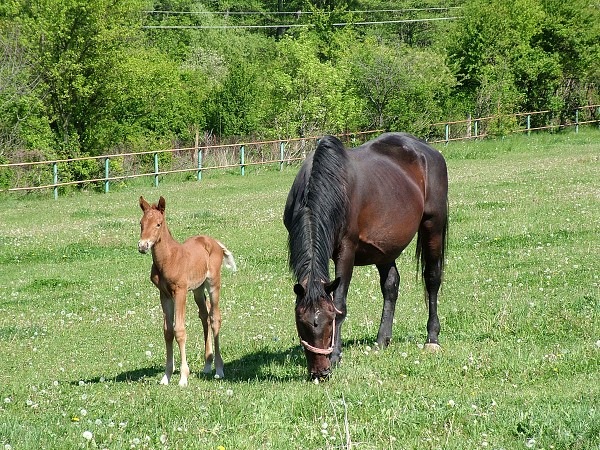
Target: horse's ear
pixel 330 287
pixel 161 204
pixel 144 204
pixel 299 290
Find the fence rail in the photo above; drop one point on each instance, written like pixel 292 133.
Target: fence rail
pixel 39 175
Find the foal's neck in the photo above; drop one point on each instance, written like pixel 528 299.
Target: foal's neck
pixel 165 245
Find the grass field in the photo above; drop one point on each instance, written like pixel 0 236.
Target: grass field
pixel 82 349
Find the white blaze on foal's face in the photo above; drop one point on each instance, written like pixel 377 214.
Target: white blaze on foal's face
pixel 151 225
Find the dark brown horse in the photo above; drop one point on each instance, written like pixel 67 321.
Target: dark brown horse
pixel 360 207
pixel 178 268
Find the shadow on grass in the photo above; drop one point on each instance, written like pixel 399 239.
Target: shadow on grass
pixel 146 374
pixel 262 365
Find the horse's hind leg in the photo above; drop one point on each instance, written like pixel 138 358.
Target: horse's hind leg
pixel 389 282
pixel 432 249
pixel 200 298
pixel 214 314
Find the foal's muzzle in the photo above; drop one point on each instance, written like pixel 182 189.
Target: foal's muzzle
pixel 144 246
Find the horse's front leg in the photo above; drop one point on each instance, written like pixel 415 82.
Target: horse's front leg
pixel 180 334
pixel 389 280
pixel 344 265
pixel 168 308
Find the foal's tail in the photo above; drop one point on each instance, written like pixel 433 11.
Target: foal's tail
pixel 228 260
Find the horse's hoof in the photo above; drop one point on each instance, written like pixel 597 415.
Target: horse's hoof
pixel 432 347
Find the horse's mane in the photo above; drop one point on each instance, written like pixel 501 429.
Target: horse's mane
pixel 319 214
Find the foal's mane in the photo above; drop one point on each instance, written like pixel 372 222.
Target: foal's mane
pixel 321 214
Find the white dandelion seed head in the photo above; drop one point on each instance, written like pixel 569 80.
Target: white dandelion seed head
pixel 88 435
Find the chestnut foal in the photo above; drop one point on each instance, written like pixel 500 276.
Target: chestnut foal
pixel 178 268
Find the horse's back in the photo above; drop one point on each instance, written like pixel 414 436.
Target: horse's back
pixel 406 156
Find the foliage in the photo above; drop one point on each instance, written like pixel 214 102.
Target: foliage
pixel 90 78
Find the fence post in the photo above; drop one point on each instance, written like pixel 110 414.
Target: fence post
pixel 199 174
pixel 528 124
pixel 155 169
pixel 55 179
pixel 576 121
pixel 242 159
pixel 476 128
pixel 447 133
pixel 106 170
pixel 281 155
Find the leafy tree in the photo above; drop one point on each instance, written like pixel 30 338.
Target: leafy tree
pixel 74 46
pixel 405 88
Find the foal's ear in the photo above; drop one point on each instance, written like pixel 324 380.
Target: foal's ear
pixel 330 287
pixel 161 204
pixel 144 204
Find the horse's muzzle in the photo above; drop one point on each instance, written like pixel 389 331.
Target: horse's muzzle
pixel 320 376
pixel 144 246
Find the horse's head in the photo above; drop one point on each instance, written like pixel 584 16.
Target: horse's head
pixel 152 224
pixel 315 322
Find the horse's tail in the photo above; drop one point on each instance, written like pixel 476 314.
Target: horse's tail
pixel 228 260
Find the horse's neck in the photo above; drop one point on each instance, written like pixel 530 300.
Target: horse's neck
pixel 164 248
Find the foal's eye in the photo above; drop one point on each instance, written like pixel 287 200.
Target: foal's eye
pixel 158 225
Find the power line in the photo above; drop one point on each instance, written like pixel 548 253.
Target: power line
pixel 341 24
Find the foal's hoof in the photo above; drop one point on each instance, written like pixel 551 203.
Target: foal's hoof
pixel 432 347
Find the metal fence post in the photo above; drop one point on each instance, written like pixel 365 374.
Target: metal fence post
pixel 55 179
pixel 155 169
pixel 476 128
pixel 447 133
pixel 528 124
pixel 199 174
pixel 242 159
pixel 576 121
pixel 281 155
pixel 106 171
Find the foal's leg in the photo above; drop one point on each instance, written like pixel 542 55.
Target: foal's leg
pixel 200 298
pixel 389 281
pixel 214 288
pixel 180 334
pixel 168 308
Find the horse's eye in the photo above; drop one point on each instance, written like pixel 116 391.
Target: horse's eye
pixel 158 225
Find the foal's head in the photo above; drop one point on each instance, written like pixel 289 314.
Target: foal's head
pixel 315 322
pixel 152 224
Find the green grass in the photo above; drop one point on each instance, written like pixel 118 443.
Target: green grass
pixel 82 347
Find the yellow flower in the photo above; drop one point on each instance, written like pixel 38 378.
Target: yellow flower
pixel 220 447
pixel 75 419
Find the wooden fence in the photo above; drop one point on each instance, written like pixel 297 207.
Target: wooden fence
pixel 39 175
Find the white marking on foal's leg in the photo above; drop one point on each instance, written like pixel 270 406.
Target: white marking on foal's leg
pixel 165 380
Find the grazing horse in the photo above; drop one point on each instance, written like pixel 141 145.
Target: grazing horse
pixel 361 207
pixel 178 268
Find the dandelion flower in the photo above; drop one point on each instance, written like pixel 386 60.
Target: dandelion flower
pixel 88 435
